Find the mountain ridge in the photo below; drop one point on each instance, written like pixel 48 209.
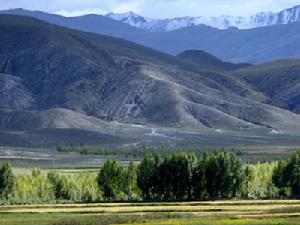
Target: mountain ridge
pixel 88 23
pixel 286 16
pixel 253 46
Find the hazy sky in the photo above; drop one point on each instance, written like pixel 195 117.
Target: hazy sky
pixel 153 8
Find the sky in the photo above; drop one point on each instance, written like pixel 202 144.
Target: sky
pixel 152 8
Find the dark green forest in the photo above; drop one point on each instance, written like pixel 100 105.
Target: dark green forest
pixel 178 176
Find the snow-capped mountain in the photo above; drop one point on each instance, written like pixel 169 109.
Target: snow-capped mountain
pixel 286 16
pixel 129 18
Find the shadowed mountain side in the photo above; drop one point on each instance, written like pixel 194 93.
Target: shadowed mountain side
pixel 279 81
pixel 209 62
pixel 252 46
pixel 52 118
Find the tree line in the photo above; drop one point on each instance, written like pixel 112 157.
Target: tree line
pixel 174 177
pixel 131 151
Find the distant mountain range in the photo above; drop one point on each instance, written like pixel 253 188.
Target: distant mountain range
pixel 286 16
pixel 255 45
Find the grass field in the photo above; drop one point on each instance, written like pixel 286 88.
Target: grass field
pixel 193 213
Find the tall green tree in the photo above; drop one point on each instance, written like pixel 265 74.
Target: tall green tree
pixel 147 176
pixel 287 175
pixel 175 176
pixel 220 176
pixel 61 191
pixel 7 180
pixel 131 189
pixel 248 180
pixel 258 181
pixel 282 177
pixel 199 179
pixel 294 167
pixel 111 180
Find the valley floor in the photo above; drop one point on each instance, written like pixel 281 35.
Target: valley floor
pixel 185 213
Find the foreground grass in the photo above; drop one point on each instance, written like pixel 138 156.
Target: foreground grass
pixel 188 213
pixel 77 219
pixel 228 222
pixel 82 219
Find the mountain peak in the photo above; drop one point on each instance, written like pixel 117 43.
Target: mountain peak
pixel 121 16
pixel 130 18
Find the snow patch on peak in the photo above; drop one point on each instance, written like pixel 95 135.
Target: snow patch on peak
pixel 130 18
